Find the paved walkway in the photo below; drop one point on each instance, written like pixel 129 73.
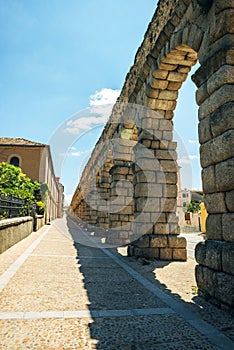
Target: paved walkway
pixel 57 294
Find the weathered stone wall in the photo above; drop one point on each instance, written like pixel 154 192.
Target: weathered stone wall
pixel 14 230
pixel 137 141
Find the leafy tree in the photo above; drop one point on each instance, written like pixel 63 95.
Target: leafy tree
pixel 14 181
pixel 193 207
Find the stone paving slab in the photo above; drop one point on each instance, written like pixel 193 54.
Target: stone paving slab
pixel 98 264
pixel 122 295
pixel 84 251
pixel 56 248
pixel 46 334
pixel 8 257
pixel 178 280
pixel 195 319
pixel 99 299
pixel 45 284
pixel 113 274
pixel 109 333
pixel 83 313
pixel 146 332
pixel 47 300
pixel 177 276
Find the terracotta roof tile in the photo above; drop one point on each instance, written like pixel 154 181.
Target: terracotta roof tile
pixel 18 141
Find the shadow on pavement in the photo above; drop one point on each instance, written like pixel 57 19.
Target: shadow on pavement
pixel 126 315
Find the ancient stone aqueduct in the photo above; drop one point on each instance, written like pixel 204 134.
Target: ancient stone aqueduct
pixel 128 190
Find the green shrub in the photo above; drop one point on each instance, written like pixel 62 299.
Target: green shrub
pixel 193 207
pixel 14 182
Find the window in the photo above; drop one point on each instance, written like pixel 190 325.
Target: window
pixel 15 161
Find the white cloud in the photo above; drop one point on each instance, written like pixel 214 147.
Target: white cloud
pixel 193 157
pixel 193 142
pixel 183 161
pixel 83 124
pixel 78 153
pixel 101 104
pixel 67 199
pixel 186 159
pixel 104 97
pixel 74 154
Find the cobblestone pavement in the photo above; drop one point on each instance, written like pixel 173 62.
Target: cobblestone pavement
pixel 60 288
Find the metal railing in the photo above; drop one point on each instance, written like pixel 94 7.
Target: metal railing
pixel 12 206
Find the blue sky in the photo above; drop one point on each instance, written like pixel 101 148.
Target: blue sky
pixel 56 54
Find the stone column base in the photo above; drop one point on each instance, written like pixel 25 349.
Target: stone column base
pixel 214 274
pixel 162 247
pixel 216 287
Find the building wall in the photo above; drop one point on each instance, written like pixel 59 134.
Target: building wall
pixel 186 198
pixel 29 158
pixel 60 200
pixel 36 163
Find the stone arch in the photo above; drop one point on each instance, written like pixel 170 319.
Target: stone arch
pixel 161 87
pixel 180 33
pixel 171 67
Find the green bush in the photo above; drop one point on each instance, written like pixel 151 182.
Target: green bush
pixel 193 207
pixel 14 182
